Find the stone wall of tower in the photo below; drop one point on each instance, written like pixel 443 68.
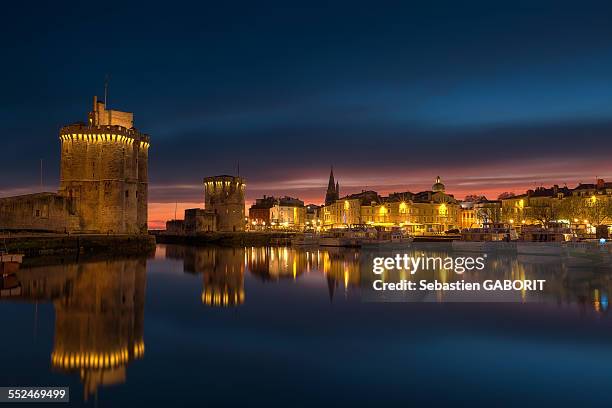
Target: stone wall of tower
pixel 44 212
pixel 103 173
pixel 224 195
pixel 142 192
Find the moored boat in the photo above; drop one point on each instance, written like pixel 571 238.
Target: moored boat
pixel 490 237
pixel 394 239
pixel 341 238
pixel 549 241
pixel 305 239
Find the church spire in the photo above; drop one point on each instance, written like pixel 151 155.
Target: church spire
pixel 333 189
pixel 331 184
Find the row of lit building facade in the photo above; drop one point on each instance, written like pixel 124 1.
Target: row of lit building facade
pixel 435 211
pixel 427 211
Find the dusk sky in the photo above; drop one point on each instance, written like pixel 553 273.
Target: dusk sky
pixel 491 98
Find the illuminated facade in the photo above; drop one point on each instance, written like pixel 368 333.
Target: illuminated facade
pixel 277 213
pixel 586 208
pixel 431 211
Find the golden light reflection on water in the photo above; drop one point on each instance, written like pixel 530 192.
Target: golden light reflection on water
pixel 346 269
pixel 99 316
pixel 99 305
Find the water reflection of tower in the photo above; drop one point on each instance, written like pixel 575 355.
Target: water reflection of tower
pixel 222 272
pixel 341 265
pixel 224 279
pixel 100 321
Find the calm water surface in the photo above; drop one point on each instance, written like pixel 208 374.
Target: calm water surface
pixel 219 326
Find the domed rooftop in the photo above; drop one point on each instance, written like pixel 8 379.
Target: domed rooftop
pixel 438 186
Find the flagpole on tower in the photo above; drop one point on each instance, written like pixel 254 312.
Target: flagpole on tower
pixel 106 79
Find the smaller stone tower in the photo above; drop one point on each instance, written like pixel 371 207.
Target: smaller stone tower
pixel 224 195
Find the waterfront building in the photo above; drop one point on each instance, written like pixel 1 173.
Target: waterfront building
pixel 474 214
pixel 288 213
pixel 431 211
pixel 103 181
pixel 313 222
pixel 488 211
pixel 277 213
pixel 538 206
pixel 259 212
pixel 600 188
pixel 468 215
pixel 587 208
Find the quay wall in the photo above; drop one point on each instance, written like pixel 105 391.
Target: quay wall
pixel 60 244
pixel 232 239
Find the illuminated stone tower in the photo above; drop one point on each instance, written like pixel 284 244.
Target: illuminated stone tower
pixel 225 196
pixel 104 172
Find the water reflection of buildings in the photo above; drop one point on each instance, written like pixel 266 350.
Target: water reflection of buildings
pixel 223 268
pixel 99 316
pixel 222 272
pixel 340 266
pixel 274 263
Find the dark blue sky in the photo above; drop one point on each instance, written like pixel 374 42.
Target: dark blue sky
pixel 490 95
